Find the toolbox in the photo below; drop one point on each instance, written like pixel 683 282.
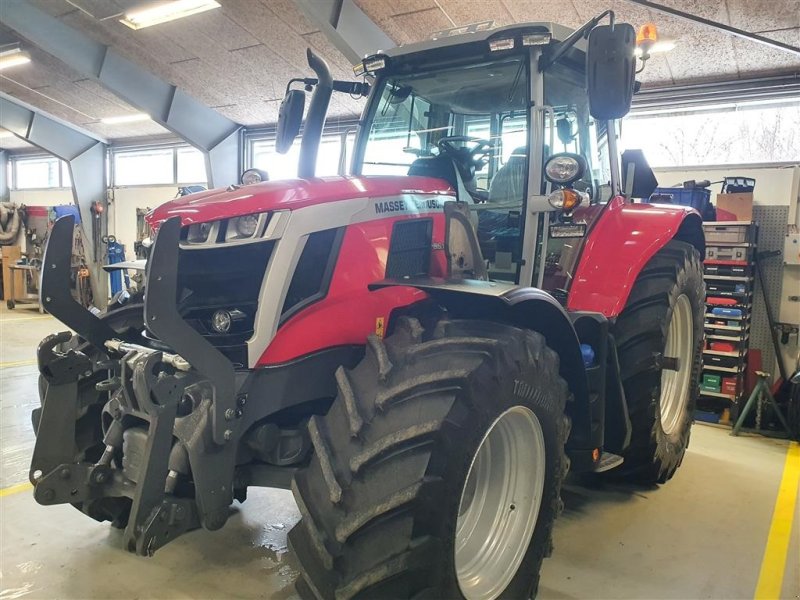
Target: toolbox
pixel 725 234
pixel 727 270
pixel 729 385
pixel 724 311
pixel 721 361
pixel 725 253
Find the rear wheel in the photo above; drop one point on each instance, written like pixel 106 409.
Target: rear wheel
pixel 437 471
pixel 663 318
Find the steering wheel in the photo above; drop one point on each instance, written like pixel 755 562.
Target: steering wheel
pixel 473 158
pixel 467 160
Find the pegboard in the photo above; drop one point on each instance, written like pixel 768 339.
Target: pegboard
pixel 771 222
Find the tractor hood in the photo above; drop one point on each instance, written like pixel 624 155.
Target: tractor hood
pixel 289 194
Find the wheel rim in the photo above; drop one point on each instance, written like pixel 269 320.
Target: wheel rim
pixel 499 504
pixel 675 384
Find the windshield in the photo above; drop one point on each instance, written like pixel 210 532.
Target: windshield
pixel 471 120
pixel 486 101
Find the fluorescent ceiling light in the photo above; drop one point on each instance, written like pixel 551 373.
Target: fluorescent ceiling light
pixel 162 12
pixel 658 47
pixel 132 118
pixel 12 56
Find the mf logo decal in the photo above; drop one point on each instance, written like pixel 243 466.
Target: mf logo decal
pixel 407 205
pixel 379 327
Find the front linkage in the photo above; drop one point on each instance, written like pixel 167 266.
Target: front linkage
pixel 188 396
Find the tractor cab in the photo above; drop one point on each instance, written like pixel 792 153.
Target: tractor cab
pixel 504 117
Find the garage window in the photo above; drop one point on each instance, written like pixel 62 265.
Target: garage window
pixel 40 173
pixel 738 134
pixel 170 165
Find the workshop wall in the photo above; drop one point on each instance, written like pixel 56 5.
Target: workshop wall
pixel 122 210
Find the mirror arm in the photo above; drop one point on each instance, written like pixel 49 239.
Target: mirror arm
pixel 315 119
pixel 306 81
pixel 582 32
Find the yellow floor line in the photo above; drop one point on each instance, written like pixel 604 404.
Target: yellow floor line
pixel 17 320
pixel 17 363
pixel 15 489
pixel 770 579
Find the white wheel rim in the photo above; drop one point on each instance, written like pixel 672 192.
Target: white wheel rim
pixel 676 384
pixel 499 504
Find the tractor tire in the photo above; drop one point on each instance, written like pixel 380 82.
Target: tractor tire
pixel 664 316
pixel 128 322
pixel 395 498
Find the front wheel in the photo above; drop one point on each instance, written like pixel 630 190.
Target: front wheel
pixel 659 338
pixel 438 469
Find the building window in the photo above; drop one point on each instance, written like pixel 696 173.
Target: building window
pixel 41 172
pixel 159 166
pixel 284 166
pixel 738 134
pixel 191 166
pixel 144 167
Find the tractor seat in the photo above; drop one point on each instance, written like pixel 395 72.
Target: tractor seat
pixel 508 185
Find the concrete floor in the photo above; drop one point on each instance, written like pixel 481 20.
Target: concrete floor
pixel 701 536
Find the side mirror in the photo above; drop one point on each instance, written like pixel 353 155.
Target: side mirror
pixel 610 70
pixel 290 117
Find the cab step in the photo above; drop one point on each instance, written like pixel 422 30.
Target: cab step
pixel 607 462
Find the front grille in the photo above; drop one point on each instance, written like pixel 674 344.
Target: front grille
pixel 410 248
pixel 223 278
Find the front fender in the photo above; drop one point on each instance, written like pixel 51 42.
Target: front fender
pixel 530 308
pixel 618 247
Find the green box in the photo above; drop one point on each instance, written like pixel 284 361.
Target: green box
pixel 709 388
pixel 712 380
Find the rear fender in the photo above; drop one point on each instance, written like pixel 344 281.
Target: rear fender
pixel 624 239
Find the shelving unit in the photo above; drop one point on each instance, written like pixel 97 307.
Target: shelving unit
pixel 729 277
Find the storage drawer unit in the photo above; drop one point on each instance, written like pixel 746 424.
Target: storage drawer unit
pixel 728 274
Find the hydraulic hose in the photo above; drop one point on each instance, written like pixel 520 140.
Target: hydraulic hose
pixel 315 119
pixel 9 223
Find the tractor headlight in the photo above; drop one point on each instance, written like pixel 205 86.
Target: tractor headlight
pixel 252 176
pixel 221 321
pixel 198 233
pixel 564 168
pixel 242 227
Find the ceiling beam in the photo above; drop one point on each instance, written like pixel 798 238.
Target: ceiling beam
pixel 753 37
pixel 204 128
pixel 347 27
pixel 85 156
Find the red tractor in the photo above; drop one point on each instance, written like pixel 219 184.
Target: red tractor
pixel 419 351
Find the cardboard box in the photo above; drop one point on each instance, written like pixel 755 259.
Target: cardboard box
pixel 735 207
pixel 10 255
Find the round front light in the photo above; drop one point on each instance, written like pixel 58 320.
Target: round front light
pixel 252 176
pixel 221 321
pixel 564 168
pixel 245 226
pixel 198 233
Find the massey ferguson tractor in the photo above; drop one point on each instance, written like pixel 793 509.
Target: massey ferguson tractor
pixel 419 351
